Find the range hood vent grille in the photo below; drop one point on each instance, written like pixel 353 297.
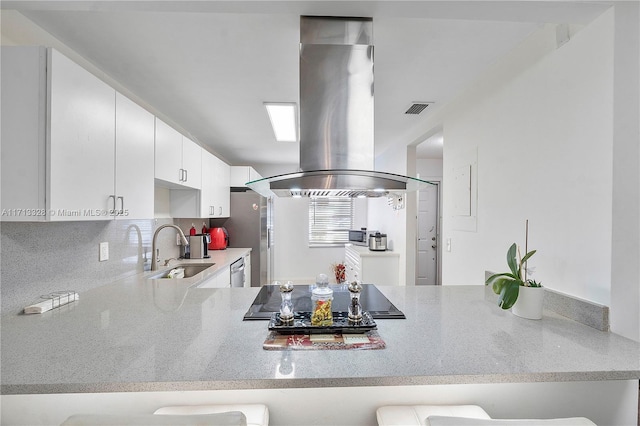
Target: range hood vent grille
pixel 336 193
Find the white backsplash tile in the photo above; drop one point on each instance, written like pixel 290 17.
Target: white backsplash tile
pixel 39 258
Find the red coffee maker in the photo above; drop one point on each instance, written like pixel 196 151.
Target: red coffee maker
pixel 219 238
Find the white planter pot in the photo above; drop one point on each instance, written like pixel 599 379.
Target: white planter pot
pixel 529 303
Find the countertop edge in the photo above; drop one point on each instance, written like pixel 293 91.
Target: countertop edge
pixel 317 383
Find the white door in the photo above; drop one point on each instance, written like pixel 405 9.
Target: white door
pixel 428 233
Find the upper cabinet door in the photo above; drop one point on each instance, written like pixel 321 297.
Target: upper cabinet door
pixel 168 153
pixel 177 159
pixel 223 195
pixel 81 142
pixel 134 160
pixel 207 192
pixel 22 138
pixel 191 163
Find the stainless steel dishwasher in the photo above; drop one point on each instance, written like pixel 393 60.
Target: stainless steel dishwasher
pixel 237 273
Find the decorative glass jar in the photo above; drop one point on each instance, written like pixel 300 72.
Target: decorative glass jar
pixel 321 298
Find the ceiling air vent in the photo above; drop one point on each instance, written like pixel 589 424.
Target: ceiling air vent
pixel 417 107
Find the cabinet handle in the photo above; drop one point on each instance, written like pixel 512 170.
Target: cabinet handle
pixel 186 176
pixel 179 175
pixel 211 213
pixel 121 204
pixel 114 204
pixel 220 211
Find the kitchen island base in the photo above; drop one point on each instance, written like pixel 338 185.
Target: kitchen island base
pixel 613 402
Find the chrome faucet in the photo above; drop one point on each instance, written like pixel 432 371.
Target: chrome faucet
pixel 154 254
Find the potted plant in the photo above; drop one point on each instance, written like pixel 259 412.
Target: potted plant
pixel 515 290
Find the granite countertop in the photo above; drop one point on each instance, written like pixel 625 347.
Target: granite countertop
pixel 142 335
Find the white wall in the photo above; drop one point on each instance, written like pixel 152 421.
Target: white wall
pixel 383 218
pixel 429 168
pixel 293 258
pixel 544 153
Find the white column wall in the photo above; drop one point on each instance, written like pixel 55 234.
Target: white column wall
pixel 625 252
pixel 544 143
pixel 383 218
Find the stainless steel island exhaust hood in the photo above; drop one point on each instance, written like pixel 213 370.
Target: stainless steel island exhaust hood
pixel 336 116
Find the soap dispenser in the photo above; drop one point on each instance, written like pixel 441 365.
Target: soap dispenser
pixel 321 298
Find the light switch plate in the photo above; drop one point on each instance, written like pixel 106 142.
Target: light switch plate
pixel 104 252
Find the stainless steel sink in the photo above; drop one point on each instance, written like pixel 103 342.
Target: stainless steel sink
pixel 190 269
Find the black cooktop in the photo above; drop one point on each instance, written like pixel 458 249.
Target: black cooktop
pixel 372 300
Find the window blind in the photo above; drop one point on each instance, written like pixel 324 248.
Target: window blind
pixel 330 220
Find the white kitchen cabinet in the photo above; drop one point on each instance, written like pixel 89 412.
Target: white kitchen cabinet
pixel 222 205
pixel 178 160
pixel 191 163
pixel 240 175
pixel 134 160
pixel 24 126
pixel 371 267
pixel 215 195
pixel 220 280
pixel 213 200
pixel 59 136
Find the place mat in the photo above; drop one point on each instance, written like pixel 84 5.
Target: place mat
pixel 279 342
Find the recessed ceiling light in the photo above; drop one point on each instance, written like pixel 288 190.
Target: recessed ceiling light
pixel 284 120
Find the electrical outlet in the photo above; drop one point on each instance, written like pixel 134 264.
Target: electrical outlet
pixel 104 252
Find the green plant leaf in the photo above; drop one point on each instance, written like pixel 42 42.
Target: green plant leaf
pixel 511 259
pixel 509 294
pixel 497 281
pixel 527 256
pixel 500 283
pixel 503 274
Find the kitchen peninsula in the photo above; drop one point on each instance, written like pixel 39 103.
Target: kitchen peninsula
pixel 139 344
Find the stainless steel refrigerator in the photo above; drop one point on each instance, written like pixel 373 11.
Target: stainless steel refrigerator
pixel 251 225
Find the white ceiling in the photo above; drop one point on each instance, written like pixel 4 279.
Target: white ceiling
pixel 208 66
